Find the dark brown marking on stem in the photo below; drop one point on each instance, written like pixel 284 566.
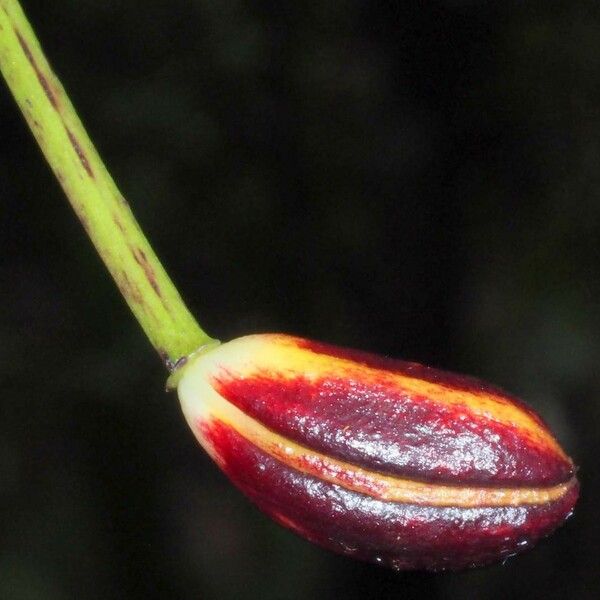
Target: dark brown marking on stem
pixel 80 153
pixel 118 223
pixel 130 290
pixel 41 77
pixel 142 260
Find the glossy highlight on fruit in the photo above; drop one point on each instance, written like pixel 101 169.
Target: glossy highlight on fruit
pixel 383 460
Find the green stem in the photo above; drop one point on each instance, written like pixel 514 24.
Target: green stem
pixel 100 206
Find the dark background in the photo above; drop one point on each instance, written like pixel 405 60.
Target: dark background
pixel 420 179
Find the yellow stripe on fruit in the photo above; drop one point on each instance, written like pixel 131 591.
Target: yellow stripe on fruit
pixel 279 354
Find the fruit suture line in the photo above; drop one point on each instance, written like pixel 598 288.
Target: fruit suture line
pixel 372 483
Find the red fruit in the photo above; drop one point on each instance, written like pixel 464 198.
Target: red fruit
pixel 379 459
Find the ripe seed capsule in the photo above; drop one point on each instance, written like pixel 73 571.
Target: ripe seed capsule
pixel 384 460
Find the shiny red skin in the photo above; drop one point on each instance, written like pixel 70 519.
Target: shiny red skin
pixel 383 460
pixel 374 424
pixel 398 535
